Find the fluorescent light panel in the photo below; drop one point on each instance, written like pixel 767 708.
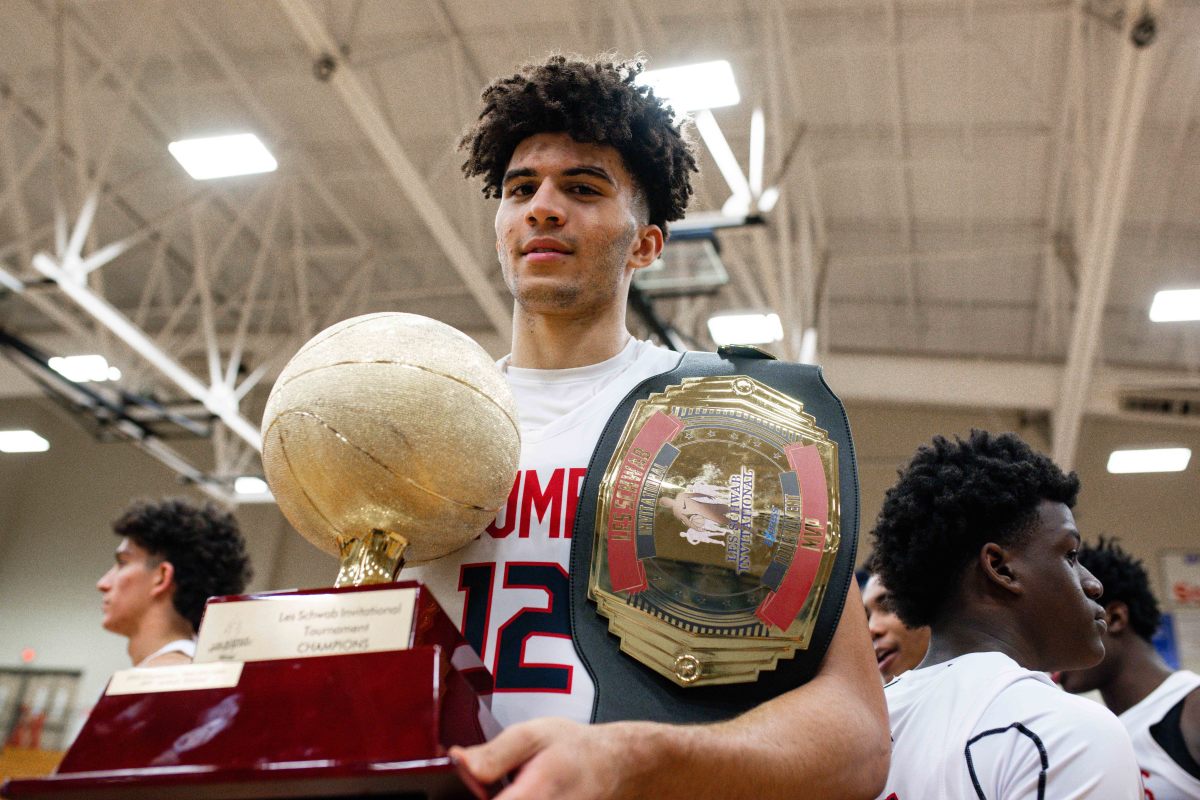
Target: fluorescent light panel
pixel 1161 459
pixel 23 441
pixel 249 484
pixel 1176 305
pixel 745 328
pixel 85 369
pixel 223 156
pixel 695 86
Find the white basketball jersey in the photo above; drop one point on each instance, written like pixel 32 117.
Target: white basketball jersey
pixel 1164 779
pixel 981 726
pixel 508 589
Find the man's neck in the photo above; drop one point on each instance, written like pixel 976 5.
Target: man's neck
pixel 543 341
pixel 1140 672
pixel 969 634
pixel 155 632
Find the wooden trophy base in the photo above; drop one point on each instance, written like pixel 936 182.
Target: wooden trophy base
pixel 373 724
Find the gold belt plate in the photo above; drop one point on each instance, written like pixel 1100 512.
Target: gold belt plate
pixel 717 527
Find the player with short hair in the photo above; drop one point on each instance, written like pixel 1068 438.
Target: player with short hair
pixel 590 168
pixel 898 648
pixel 977 541
pixel 1159 707
pixel 173 556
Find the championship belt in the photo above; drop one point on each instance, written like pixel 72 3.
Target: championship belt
pixel 715 538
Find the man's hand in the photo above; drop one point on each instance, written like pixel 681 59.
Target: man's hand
pixel 559 758
pixel 826 739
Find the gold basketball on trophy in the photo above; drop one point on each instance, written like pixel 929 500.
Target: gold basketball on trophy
pixel 389 438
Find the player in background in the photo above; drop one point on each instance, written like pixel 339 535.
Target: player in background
pixel 977 541
pixel 589 168
pixel 1159 707
pixel 898 648
pixel 173 555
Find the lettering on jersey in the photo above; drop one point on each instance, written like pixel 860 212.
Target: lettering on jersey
pixel 512 670
pixel 540 505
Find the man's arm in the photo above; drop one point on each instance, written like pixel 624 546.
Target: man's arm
pixel 826 739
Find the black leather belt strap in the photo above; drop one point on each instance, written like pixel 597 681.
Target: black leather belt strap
pixel 626 690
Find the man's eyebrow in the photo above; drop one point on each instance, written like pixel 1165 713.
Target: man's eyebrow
pixel 587 169
pixel 520 172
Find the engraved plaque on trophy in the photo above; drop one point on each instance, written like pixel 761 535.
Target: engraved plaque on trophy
pixel 387 437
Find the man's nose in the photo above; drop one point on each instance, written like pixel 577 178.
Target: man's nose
pixel 1092 586
pixel 546 207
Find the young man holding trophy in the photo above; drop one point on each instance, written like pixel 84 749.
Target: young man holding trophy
pixel 589 169
pixel 674 561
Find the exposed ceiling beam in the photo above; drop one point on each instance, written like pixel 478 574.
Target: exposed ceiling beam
pixel 220 403
pixel 989 384
pixel 1127 103
pixel 370 119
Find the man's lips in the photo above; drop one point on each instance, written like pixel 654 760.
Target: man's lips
pixel 543 249
pixel 885 658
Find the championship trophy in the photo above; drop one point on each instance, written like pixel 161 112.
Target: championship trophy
pixel 387 438
pixel 714 539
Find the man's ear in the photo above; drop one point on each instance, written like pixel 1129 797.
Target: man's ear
pixel 646 247
pixel 1117 614
pixel 164 578
pixel 995 562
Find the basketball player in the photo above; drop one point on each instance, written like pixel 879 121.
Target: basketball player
pixel 172 557
pixel 1159 708
pixel 589 169
pixel 898 648
pixel 977 540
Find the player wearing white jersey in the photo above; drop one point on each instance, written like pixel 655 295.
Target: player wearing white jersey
pixel 977 541
pixel 1159 708
pixel 589 168
pixel 509 587
pixel 979 725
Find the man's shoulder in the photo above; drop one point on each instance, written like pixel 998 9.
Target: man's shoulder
pixel 1050 712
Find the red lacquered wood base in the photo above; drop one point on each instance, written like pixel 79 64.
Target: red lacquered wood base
pixel 435 779
pixel 356 725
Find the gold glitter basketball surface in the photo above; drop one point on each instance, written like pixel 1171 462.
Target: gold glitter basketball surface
pixel 392 422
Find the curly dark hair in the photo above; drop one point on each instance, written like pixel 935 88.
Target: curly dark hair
pixel 1125 580
pixel 202 542
pixel 594 103
pixel 951 500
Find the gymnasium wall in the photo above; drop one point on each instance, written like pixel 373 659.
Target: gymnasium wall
pixel 55 510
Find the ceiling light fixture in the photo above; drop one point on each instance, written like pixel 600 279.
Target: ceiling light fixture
pixel 250 485
pixel 752 328
pixel 84 369
pixel 1159 459
pixel 1176 305
pixel 223 156
pixel 694 86
pixel 23 441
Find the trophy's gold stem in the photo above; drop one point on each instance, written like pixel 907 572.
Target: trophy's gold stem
pixel 374 558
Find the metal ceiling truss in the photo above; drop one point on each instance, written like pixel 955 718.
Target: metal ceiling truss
pixel 75 263
pixel 199 296
pixel 1127 103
